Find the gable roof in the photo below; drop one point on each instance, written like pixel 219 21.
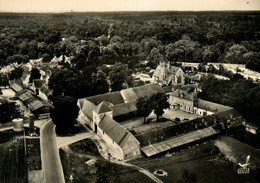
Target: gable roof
pixel 102 108
pixel 168 68
pixel 186 94
pixel 132 94
pixel 167 89
pixel 211 106
pixel 125 108
pixel 87 108
pixel 114 98
pixel 115 131
pixel 31 100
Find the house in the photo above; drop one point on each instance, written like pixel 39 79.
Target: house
pixel 168 75
pixel 36 105
pixel 123 143
pixel 184 99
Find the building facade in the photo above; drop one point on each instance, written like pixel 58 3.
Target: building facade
pixel 168 75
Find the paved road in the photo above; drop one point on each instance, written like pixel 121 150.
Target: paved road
pixel 51 163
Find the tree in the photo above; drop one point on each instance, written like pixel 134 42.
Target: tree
pixel 3 80
pixel 159 102
pixel 144 108
pixel 100 83
pixel 35 74
pixel 46 57
pixel 9 111
pixel 117 76
pixel 64 114
pixel 16 73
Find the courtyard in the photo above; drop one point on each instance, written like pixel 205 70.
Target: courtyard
pixel 167 119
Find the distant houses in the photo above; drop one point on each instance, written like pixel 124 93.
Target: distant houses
pixel 37 106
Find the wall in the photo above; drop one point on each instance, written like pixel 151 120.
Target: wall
pixel 131 149
pixel 202 112
pixel 83 119
pixel 184 104
pixel 117 151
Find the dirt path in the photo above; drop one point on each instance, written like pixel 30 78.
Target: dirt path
pixel 63 141
pixel 103 150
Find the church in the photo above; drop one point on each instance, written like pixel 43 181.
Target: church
pixel 166 74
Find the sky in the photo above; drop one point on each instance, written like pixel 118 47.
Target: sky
pixel 125 5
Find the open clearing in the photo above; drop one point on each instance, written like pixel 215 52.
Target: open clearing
pixel 74 163
pixel 204 161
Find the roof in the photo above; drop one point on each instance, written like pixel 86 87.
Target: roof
pixel 132 94
pixel 168 68
pixel 177 141
pixel 114 98
pixel 186 94
pixel 211 106
pixel 102 108
pixel 16 85
pixel 122 109
pixel 115 131
pixel 31 100
pixel 87 108
pixel 167 89
pixel 38 83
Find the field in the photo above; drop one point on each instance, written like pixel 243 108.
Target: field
pixel 13 166
pixel 74 163
pixel 200 163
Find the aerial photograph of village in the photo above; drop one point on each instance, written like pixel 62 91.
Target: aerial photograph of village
pixel 119 91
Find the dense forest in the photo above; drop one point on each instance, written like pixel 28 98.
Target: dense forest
pixel 124 39
pixel 98 38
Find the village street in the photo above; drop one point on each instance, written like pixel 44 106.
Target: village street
pixel 51 163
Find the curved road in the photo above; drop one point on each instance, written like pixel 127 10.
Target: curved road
pixel 51 163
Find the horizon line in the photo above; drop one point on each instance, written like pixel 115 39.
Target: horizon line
pixel 125 11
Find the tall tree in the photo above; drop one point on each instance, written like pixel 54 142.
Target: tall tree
pixel 64 113
pixel 9 111
pixel 117 76
pixel 16 73
pixel 144 107
pixel 159 102
pixel 35 74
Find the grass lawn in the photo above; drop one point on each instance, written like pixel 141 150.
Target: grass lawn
pixel 204 162
pixel 152 126
pixel 73 163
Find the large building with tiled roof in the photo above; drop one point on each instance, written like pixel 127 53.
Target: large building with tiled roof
pixel 99 112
